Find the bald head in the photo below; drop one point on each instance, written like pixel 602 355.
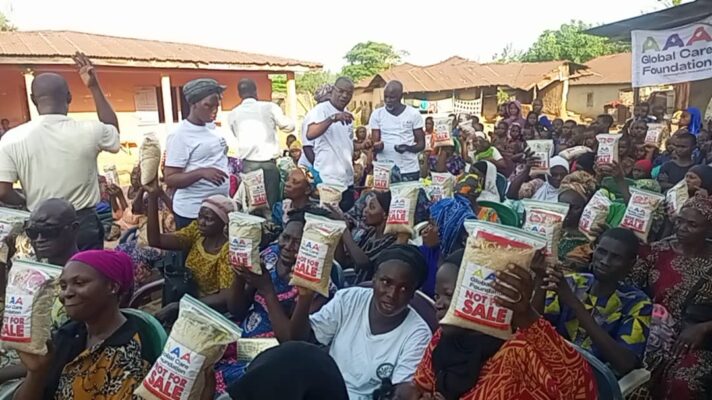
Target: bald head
pixel 54 212
pixel 50 93
pixel 392 95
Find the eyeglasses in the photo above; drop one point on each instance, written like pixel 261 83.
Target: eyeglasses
pixel 47 232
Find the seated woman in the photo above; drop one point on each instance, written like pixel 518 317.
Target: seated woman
pixel 98 354
pixel 298 189
pixel 549 190
pixel 361 254
pixel 374 336
pixel 675 273
pixel 535 363
pixel 574 248
pixel 445 159
pixel 257 300
pixel 699 180
pixel 206 242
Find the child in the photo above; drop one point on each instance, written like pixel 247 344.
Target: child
pixel 673 171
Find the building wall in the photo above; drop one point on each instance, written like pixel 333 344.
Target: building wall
pixel 701 95
pixel 578 103
pixel 119 85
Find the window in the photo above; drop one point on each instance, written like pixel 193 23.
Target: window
pixel 589 99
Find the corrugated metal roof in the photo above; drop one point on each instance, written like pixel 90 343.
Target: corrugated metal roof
pixel 607 70
pixel 40 44
pixel 459 73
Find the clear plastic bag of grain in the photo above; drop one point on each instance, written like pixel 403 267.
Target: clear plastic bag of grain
pixel 245 235
pixel 676 197
pixel 639 214
pixel 607 148
pixel 197 341
pixel 401 216
pixel 316 253
pixel 442 186
pixel 542 150
pixel 382 171
pixel 11 225
pixel 31 289
pixel 546 219
pixel 593 218
pixel 112 175
pixel 255 190
pixel 149 156
pixel 330 194
pixel 490 248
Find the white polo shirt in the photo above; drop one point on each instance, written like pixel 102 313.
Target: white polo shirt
pixel 254 124
pixel 334 150
pixel 54 156
pixel 397 130
pixel 190 147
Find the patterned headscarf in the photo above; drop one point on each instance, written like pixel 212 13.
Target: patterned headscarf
pixel 450 216
pixel 701 204
pixel 200 88
pixel 312 175
pixel 580 182
pixel 469 185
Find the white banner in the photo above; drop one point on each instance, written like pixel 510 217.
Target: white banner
pixel 675 55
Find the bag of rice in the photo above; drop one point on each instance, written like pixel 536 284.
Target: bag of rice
pixel 330 194
pixel 607 148
pixel 245 233
pixel 149 157
pixel 542 150
pixel 249 348
pixel 401 217
pixel 316 253
pixel 255 189
pixel 111 174
pixel 31 290
pixel 676 197
pixel 442 136
pixel 442 186
pixel 575 152
pixel 655 134
pixel 546 219
pixel 197 341
pixel 489 249
pixel 639 214
pixel 11 224
pixel 382 171
pixel 593 218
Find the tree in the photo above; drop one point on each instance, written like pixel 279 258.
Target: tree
pixel 508 54
pixel 570 43
pixel 369 58
pixel 307 82
pixel 671 3
pixel 5 25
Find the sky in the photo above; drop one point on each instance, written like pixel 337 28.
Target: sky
pixel 323 30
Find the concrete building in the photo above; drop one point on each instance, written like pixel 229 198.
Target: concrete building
pixel 607 80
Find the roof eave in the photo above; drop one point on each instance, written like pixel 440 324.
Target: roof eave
pixel 158 64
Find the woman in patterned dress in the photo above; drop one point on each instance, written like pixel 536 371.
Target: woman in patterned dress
pixel 676 276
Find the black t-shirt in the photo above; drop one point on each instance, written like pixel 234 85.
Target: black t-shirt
pixel 674 172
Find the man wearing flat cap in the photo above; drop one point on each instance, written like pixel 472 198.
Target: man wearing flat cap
pixel 254 123
pixel 196 154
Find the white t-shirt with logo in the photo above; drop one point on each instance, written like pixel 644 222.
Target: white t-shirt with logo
pixel 397 130
pixel 190 147
pixel 334 150
pixel 364 358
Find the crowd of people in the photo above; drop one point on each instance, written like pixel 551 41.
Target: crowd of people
pixel 631 302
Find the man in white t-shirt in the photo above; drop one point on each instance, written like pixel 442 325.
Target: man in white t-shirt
pixel 196 154
pixel 54 156
pixel 322 94
pixel 254 123
pixel 397 132
pixel 375 337
pixel 331 131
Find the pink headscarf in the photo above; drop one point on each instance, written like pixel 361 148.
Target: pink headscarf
pixel 220 205
pixel 114 265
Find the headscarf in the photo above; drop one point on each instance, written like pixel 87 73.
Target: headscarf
pixel 114 265
pixel 585 162
pixel 644 165
pixel 220 205
pixel 558 161
pixel 701 204
pixel 489 192
pixel 450 215
pixel 410 255
pixel 323 92
pixel 295 145
pixel 695 120
pixel 312 175
pixel 469 184
pixel 580 182
pixel 200 88
pixel 705 174
pixel 511 125
pixel 315 376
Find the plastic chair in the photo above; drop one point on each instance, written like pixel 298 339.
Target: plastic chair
pixel 610 184
pixel 152 333
pixel 506 215
pixel 501 186
pixel 421 303
pixel 605 379
pixel 145 292
pixel 129 234
pixel 337 275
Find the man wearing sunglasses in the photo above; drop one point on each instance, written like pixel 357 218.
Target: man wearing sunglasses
pixel 53 228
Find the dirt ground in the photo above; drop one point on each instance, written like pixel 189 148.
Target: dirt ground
pixel 124 163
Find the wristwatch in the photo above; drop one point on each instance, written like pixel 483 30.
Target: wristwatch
pixel 333 118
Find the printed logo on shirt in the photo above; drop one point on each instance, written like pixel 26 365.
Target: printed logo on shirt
pixel 408 125
pixel 384 371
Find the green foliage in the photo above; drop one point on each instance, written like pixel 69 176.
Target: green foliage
pixel 570 43
pixel 5 25
pixel 369 58
pixel 307 82
pixel 508 54
pixel 279 83
pixel 502 96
